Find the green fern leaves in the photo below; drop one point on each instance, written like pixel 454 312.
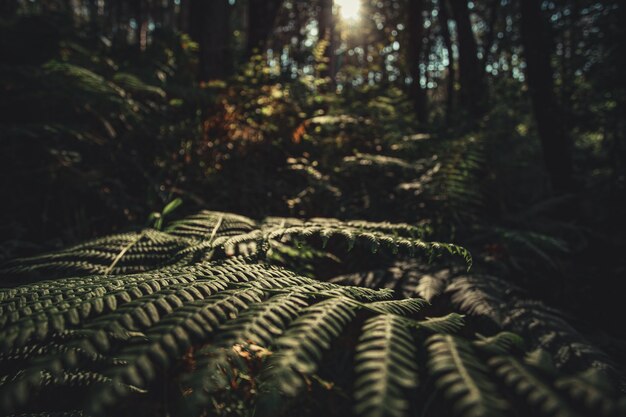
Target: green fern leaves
pixel 463 377
pixel 386 368
pixel 209 314
pixel 299 351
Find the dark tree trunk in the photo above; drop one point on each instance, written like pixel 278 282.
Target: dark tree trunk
pixel 491 31
pixel 183 16
pixel 209 26
pixel 556 145
pixel 141 28
pixel 327 32
pixel 93 17
pixel 444 18
pixel 261 20
pixel 471 74
pixel 8 8
pixel 415 48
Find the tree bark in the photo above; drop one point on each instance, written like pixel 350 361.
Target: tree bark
pixel 183 16
pixel 556 145
pixel 444 18
pixel 415 26
pixel 471 74
pixel 261 20
pixel 209 26
pixel 491 32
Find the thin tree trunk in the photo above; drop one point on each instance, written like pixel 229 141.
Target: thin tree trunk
pixel 471 74
pixel 556 145
pixel 262 18
pixel 491 31
pixel 209 26
pixel 183 16
pixel 415 48
pixel 444 16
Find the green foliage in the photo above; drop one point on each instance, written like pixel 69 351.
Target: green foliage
pixel 221 314
pixel 386 368
pixel 239 332
pixel 463 378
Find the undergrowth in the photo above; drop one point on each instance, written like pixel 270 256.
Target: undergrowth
pixel 208 316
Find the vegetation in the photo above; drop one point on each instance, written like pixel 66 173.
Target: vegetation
pixel 370 208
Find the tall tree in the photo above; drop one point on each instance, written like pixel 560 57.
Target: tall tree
pixel 471 74
pixel 493 9
pixel 415 29
pixel 556 144
pixel 209 26
pixel 444 19
pixel 183 16
pixel 262 17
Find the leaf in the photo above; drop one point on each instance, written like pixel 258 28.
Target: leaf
pixel 171 206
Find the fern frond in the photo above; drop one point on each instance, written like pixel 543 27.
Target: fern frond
pixel 374 240
pixel 19 390
pixel 463 378
pixel 430 286
pixel 531 387
pixel 380 162
pixel 203 225
pixel 70 413
pixel 171 337
pixel 124 253
pixel 386 368
pixel 548 329
pixel 480 295
pixel 501 343
pixel 299 350
pixel 593 390
pixel 261 323
pixel 406 307
pixel 449 323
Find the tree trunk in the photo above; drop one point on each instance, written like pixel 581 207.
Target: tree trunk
pixel 556 145
pixel 471 74
pixel 415 26
pixel 491 32
pixel 444 18
pixel 209 26
pixel 8 8
pixel 262 18
pixel 183 16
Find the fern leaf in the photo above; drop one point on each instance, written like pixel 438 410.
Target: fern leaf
pixel 450 323
pixel 300 349
pixel 463 378
pixel 501 343
pixel 404 307
pixel 531 387
pixel 593 390
pixel 386 368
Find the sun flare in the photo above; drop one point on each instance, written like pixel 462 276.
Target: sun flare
pixel 349 9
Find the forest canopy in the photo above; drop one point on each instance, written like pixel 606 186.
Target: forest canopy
pixel 296 207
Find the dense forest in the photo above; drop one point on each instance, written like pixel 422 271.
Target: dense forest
pixel 312 207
